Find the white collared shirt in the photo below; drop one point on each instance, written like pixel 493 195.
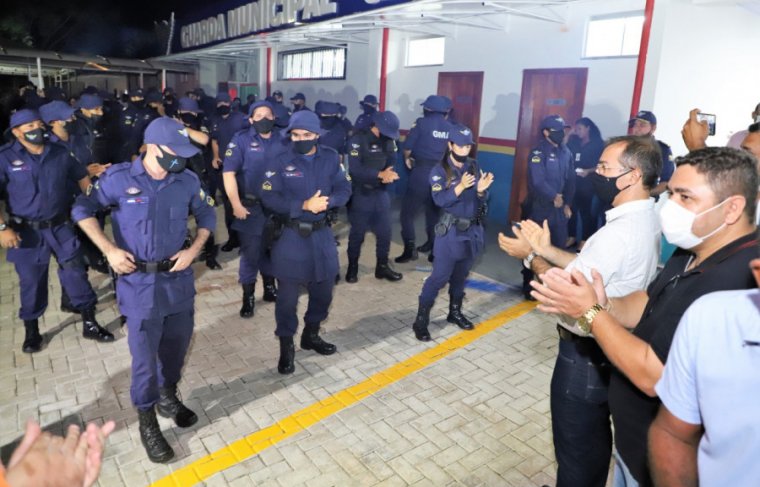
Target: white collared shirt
pixel 625 251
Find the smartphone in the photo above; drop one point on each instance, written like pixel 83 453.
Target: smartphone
pixel 710 119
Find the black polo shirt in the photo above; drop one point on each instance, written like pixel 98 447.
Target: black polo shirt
pixel 670 294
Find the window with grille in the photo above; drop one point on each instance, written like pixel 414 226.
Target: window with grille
pixel 321 63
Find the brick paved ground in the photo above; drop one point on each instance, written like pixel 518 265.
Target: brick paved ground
pixel 477 417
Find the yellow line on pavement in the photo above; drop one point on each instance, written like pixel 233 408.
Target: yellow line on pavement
pixel 259 441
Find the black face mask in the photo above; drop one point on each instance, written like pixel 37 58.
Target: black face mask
pixel 223 110
pixel 557 136
pixel 459 158
pixel 171 163
pixel 606 188
pixel 35 137
pixel 368 109
pixel 263 126
pixel 139 104
pixel 95 119
pixel 304 146
pixel 328 122
pixel 188 118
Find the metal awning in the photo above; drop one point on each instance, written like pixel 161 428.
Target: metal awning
pixel 426 17
pixel 18 61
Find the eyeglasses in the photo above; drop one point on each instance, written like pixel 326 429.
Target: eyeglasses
pixel 603 168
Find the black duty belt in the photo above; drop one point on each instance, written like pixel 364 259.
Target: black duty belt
pixel 249 200
pixel 39 224
pixel 461 224
pixel 305 228
pixel 153 267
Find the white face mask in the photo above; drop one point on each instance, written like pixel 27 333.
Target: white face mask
pixel 676 222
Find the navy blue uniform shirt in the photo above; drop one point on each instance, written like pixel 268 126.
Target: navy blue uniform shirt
pixel 428 138
pixel 37 186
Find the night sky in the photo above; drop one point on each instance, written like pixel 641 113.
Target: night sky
pixel 116 29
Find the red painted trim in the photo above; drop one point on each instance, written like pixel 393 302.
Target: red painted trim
pixel 269 71
pixel 643 50
pixel 383 68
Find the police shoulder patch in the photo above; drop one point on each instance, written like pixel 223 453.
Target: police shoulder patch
pixel 354 153
pixel 267 186
pixel 209 201
pixel 436 178
pixel 437 187
pixel 269 174
pixel 535 159
pixel 231 145
pixel 228 153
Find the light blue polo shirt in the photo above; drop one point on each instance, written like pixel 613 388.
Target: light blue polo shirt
pixel 712 377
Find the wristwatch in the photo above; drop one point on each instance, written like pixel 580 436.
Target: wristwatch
pixel 587 318
pixel 529 259
pixel 3 226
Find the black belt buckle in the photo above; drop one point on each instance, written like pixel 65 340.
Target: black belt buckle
pixel 305 229
pixel 151 267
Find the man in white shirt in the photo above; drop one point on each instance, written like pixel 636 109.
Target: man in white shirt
pixel 708 429
pixel 625 251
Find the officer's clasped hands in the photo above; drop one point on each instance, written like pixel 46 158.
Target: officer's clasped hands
pixel 388 175
pixel 467 181
pixel 317 203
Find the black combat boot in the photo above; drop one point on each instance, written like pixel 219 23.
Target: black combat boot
pixel 421 323
pixel 92 330
pixel 310 340
pixel 352 274
pixel 410 253
pixel 153 440
pixel 383 270
pixel 287 365
pixel 455 314
pixel 32 337
pixel 232 243
pixel 270 290
pixel 426 247
pixel 246 311
pixel 66 305
pixel 169 406
pixel 211 251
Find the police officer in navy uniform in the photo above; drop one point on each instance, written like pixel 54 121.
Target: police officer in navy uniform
pixel 551 185
pixel 645 124
pixel 424 147
pixel 299 102
pixel 33 175
pixel 245 164
pixel 88 127
pixel 133 119
pixel 59 117
pixel 371 158
pixel 301 185
pixel 151 199
pixel 460 189
pixel 189 114
pixel 334 133
pixel 369 107
pixel 224 125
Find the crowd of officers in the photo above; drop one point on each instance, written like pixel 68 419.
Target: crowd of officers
pixel 150 160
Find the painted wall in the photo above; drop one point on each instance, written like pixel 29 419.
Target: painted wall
pixel 705 56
